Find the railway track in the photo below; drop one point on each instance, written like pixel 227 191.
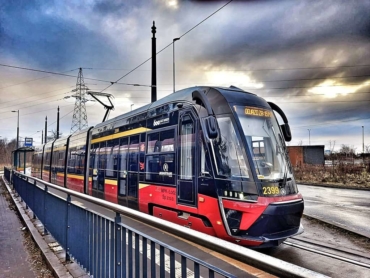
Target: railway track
pixel 329 251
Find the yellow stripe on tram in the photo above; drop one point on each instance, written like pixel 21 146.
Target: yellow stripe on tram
pixel 75 176
pixel 110 182
pixel 120 134
pixel 143 185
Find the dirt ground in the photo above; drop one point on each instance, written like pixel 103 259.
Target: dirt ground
pixel 40 268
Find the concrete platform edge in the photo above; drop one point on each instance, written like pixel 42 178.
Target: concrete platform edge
pixel 55 265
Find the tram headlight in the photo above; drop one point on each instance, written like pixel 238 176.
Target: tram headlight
pixel 233 218
pixel 234 194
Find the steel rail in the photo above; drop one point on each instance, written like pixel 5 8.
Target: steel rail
pixel 240 253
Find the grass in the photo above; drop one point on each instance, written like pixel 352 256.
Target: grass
pixel 341 175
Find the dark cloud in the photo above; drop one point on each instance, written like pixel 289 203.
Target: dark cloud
pixel 50 42
pixel 243 36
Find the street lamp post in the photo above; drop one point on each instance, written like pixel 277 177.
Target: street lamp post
pixel 363 145
pixel 173 43
pixel 42 136
pixel 309 136
pixel 17 127
pixel 16 158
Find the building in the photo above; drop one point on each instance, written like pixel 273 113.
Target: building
pixel 300 155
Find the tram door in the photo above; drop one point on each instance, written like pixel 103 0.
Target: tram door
pixel 133 173
pixel 122 172
pixel 97 160
pixel 128 178
pixel 187 183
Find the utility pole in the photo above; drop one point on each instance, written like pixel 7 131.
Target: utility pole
pixel 42 137
pixel 309 136
pixel 58 123
pixel 173 42
pixel 363 145
pixel 46 129
pixel 79 119
pixel 17 127
pixel 154 65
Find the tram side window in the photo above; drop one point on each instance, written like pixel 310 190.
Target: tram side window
pixel 102 163
pixel 187 148
pixel 61 161
pixel 229 156
pixel 111 159
pixel 47 159
pixel 71 161
pixel 160 161
pixel 93 160
pixel 205 169
pixel 93 169
pixel 122 163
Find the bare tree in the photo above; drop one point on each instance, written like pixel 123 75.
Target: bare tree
pixel 53 135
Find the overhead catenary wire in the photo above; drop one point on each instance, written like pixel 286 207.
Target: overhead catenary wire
pixel 168 45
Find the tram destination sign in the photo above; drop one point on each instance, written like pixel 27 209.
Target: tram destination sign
pixel 258 112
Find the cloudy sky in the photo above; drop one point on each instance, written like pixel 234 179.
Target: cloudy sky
pixel 312 58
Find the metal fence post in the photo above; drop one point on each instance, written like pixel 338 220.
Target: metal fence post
pixel 26 191
pixel 34 201
pixel 45 208
pixel 68 226
pixel 118 239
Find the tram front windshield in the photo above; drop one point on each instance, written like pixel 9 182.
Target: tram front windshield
pixel 265 143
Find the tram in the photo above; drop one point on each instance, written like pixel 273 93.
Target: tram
pixel 208 158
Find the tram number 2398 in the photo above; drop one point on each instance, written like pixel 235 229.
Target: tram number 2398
pixel 270 190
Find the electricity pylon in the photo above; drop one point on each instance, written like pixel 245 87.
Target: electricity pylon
pixel 79 119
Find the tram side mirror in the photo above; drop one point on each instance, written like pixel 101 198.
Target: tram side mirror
pixel 211 127
pixel 285 128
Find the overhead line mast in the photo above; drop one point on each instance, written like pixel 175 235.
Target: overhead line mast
pixel 79 119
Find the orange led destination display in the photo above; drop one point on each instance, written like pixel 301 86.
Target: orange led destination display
pixel 259 112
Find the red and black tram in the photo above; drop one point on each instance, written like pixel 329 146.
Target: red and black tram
pixel 210 159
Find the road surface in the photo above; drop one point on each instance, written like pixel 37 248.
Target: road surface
pixel 346 208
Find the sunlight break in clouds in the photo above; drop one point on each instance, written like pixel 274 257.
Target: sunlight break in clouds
pixel 228 78
pixel 332 88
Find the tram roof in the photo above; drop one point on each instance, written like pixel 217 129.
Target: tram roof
pixel 185 96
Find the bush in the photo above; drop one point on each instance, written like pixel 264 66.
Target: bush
pixel 341 173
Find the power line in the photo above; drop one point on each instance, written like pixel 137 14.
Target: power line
pixel 336 123
pixel 61 117
pixel 132 97
pixel 169 44
pixel 31 80
pixel 313 95
pixel 25 114
pixel 273 88
pixel 244 70
pixel 323 101
pixel 32 97
pixel 68 75
pixel 32 105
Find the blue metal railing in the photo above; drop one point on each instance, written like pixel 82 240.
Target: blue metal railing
pixel 105 247
pixel 7 174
